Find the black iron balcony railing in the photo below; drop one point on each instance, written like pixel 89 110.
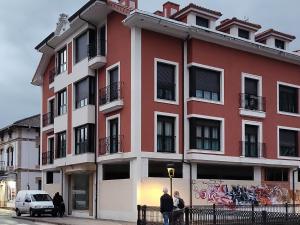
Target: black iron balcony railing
pixel 48 119
pixel 94 51
pixel 252 102
pixel 111 145
pixel 110 93
pixel 252 150
pixel 166 144
pixel 48 157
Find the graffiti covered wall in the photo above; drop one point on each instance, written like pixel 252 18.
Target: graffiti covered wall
pixel 223 193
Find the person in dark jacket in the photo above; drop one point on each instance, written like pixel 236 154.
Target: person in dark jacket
pixel 166 206
pixel 59 205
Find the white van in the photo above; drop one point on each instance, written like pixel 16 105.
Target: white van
pixel 34 202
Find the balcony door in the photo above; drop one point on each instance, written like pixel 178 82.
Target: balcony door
pixel 251 94
pixel 114 135
pixel 251 141
pixel 113 84
pixel 51 111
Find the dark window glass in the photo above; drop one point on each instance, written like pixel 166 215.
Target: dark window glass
pixel 81 44
pixel 244 34
pixel 202 22
pixel 205 83
pixel 224 172
pixel 279 44
pixel 62 102
pixel 113 84
pixel 288 99
pixel 159 169
pixel 49 177
pixel 61 145
pixel 102 41
pixel 288 140
pixel 205 134
pixel 62 60
pixel 39 184
pixel 165 81
pixel 85 92
pixel 84 139
pixel 276 174
pixel 165 134
pixel 116 171
pixel 251 141
pixel 251 99
pixel 114 136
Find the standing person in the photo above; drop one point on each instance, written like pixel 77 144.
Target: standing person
pixel 166 206
pixel 178 209
pixel 59 205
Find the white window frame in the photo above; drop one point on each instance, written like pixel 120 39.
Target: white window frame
pixel 278 142
pixel 222 134
pixel 222 86
pixel 288 85
pixel 107 130
pixel 246 112
pixel 260 135
pixel 176 131
pixel 108 69
pixel 176 64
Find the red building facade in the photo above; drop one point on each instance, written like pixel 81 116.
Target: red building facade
pixel 126 92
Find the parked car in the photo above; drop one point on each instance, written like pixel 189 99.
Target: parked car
pixel 34 203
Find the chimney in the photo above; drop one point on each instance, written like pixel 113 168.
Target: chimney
pixel 159 13
pixel 133 4
pixel 170 8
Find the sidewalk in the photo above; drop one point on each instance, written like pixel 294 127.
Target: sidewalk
pixel 72 221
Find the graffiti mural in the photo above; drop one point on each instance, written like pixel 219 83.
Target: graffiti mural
pixel 218 192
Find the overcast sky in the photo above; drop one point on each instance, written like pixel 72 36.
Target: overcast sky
pixel 24 23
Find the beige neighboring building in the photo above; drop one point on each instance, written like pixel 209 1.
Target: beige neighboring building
pixel 19 159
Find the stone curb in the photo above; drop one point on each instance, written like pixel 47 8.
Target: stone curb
pixel 39 220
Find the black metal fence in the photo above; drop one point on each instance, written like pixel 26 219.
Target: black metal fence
pixel 223 215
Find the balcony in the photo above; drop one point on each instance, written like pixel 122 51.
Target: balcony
pixel 110 98
pixel 96 56
pixel 48 119
pixel 48 157
pixel 111 145
pixel 252 150
pixel 252 105
pixel 4 168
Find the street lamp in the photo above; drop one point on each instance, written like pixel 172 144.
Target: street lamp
pixel 294 194
pixel 171 172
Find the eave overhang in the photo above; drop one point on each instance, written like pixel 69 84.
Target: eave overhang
pixel 182 30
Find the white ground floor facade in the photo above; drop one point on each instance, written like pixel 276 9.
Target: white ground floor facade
pixel 114 190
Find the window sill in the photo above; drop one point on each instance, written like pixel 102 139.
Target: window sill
pixel 175 102
pixel 252 113
pixel 201 151
pixel 288 114
pixel 289 158
pixel 205 101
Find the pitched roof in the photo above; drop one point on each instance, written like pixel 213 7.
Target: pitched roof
pixel 270 32
pixel 192 6
pixel 227 22
pixel 29 122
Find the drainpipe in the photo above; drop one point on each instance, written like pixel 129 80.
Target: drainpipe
pixel 184 58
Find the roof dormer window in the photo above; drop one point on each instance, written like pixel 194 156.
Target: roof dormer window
pixel 244 33
pixel 202 22
pixel 279 44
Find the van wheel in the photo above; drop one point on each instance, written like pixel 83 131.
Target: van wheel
pixel 31 213
pixel 18 213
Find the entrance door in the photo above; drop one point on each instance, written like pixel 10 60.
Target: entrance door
pixel 80 192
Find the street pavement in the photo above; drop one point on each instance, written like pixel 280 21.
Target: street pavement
pixel 7 219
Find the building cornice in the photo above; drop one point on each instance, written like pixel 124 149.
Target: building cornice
pixel 182 30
